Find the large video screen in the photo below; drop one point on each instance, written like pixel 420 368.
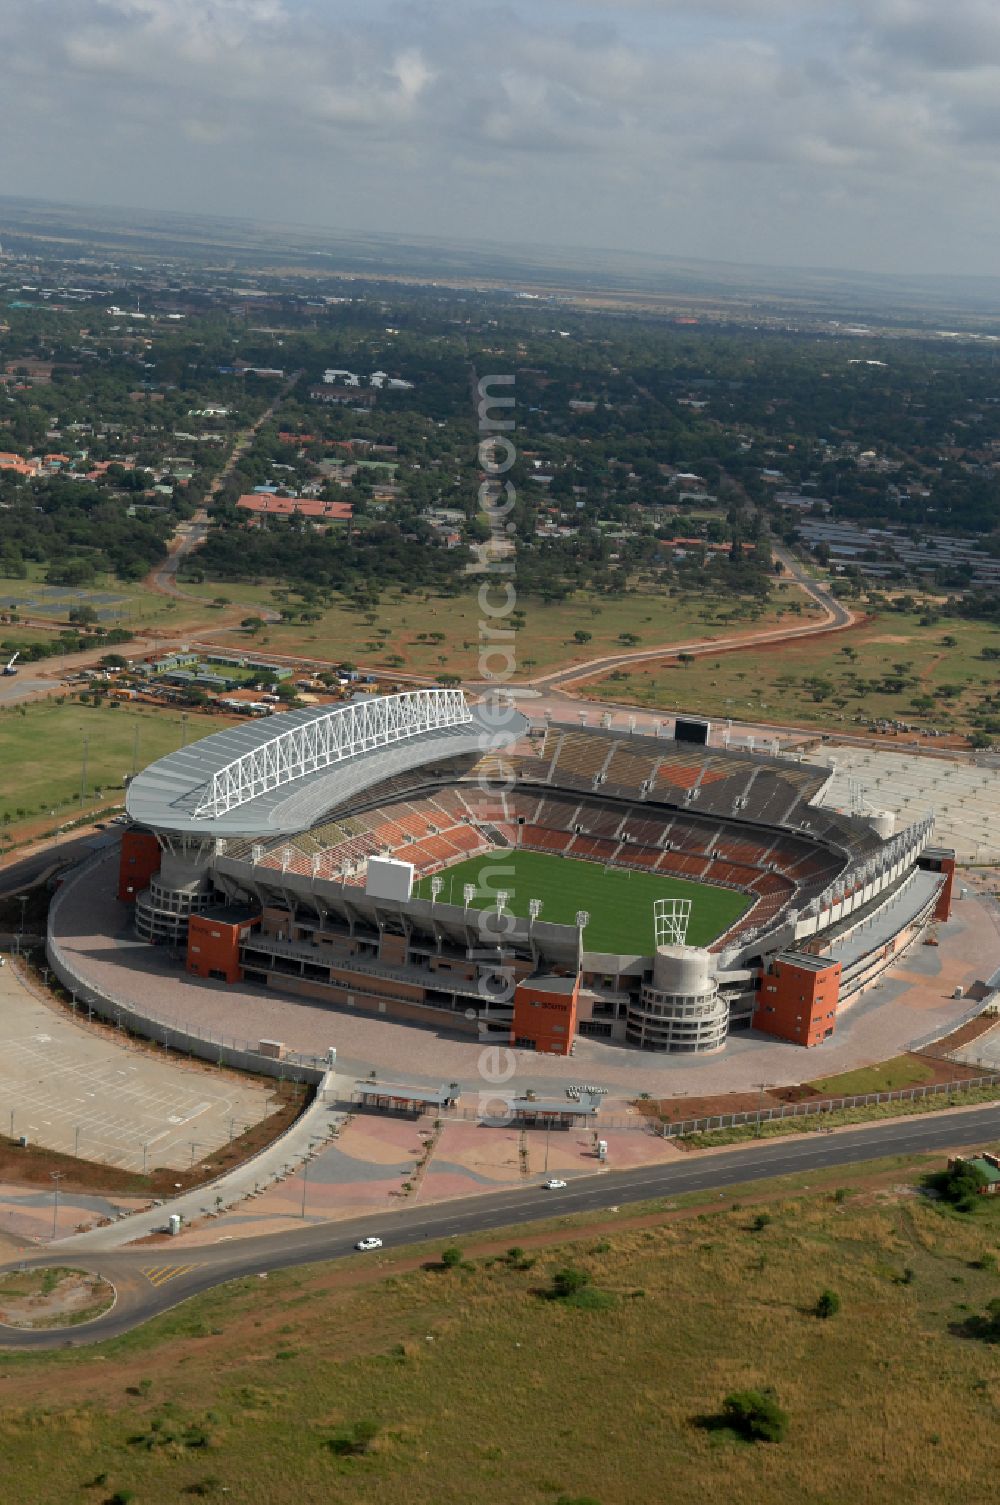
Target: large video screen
pixel 689 730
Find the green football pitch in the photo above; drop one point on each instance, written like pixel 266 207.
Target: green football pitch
pixel 618 900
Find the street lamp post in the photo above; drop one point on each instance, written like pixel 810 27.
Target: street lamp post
pixel 760 1104
pixel 56 1178
pixel 83 769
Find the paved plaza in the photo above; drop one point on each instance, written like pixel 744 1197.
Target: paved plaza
pixel 33 1212
pixel 375 1167
pixel 78 1090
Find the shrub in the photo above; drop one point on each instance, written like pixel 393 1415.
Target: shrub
pixel 451 1258
pixel 755 1415
pixel 356 1441
pixel 960 1185
pixel 761 1221
pixel 987 1327
pixel 828 1304
pixel 568 1282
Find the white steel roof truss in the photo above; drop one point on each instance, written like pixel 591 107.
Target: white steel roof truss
pixel 329 738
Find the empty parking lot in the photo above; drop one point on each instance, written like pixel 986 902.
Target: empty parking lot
pixel 74 1089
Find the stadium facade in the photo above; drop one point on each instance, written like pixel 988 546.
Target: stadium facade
pixel 283 853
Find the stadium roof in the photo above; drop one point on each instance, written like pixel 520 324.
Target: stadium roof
pixel 280 775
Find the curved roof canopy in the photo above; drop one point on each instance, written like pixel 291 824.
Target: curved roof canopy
pixel 280 775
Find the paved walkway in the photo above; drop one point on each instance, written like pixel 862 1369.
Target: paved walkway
pixel 374 1168
pixel 32 1212
pixel 298 1143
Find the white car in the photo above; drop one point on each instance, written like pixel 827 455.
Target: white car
pixel 554 1185
pixel 368 1243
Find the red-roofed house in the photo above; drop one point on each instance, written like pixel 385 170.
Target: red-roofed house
pixel 17 463
pixel 266 505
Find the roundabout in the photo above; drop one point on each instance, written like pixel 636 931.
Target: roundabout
pixel 53 1298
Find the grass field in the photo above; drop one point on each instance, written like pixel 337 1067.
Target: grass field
pixel 831 681
pixel 116 602
pixel 42 750
pixel 619 901
pixel 903 1071
pixel 404 627
pixel 478 1388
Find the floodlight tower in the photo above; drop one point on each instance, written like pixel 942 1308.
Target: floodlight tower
pixel 468 893
pixel 582 921
pixel 680 1007
pixel 671 918
pixel 437 884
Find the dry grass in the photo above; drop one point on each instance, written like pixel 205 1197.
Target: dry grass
pixel 818 682
pixel 481 1390
pixel 544 642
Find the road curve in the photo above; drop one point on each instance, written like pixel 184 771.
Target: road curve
pixel 201 1267
pixel 836 617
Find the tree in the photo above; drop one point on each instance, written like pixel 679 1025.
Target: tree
pixel 580 636
pixel 755 1415
pixel 961 1184
pixel 451 1257
pixel 253 625
pixel 568 1281
pixel 828 1304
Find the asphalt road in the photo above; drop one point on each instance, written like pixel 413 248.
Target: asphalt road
pixel 200 1267
pixel 19 873
pixel 837 616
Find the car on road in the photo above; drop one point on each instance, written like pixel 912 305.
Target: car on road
pixel 554 1184
pixel 366 1244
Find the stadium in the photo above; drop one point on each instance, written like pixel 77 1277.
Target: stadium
pixel 449 863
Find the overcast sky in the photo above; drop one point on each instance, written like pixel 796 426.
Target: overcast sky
pixel 854 133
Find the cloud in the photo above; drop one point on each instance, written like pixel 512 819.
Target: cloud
pixel 781 130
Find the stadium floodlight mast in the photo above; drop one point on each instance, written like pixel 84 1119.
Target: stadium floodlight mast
pixel 582 921
pixel 534 908
pixel 437 884
pixel 671 918
pixel 468 893
pixel 502 897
